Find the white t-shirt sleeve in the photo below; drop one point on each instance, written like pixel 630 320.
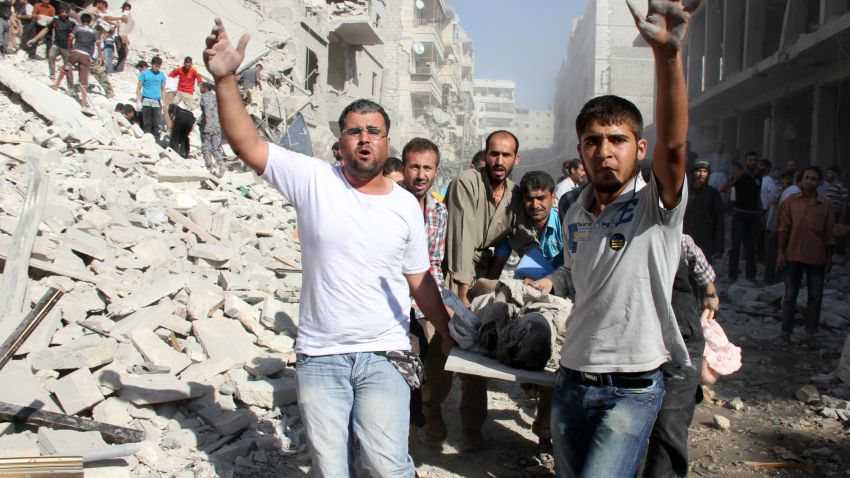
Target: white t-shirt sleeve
pixel 291 173
pixel 415 260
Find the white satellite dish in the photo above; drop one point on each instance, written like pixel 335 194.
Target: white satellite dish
pixel 420 4
pixel 418 48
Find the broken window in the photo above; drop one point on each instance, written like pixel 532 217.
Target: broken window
pixel 312 71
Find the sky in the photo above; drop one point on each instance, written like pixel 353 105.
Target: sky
pixel 524 41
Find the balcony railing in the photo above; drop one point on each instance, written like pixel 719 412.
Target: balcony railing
pixel 424 69
pixel 428 21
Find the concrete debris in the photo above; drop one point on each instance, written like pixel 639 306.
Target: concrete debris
pixel 722 423
pixel 151 389
pixel 808 394
pixel 77 391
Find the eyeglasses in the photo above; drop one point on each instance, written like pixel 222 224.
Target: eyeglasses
pixel 374 132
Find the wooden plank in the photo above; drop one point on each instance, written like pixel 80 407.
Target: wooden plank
pixel 34 416
pixel 294 265
pixel 43 467
pixel 473 363
pixel 190 225
pixel 62 271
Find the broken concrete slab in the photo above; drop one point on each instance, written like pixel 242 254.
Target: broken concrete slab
pixel 148 318
pixel 280 316
pixel 148 294
pixel 153 349
pixel 19 444
pixel 84 354
pixel 202 372
pixel 264 366
pixel 277 343
pixel 202 303
pixel 68 442
pixel 152 389
pixel 85 243
pixel 78 391
pixel 231 281
pixel 212 253
pixel 113 411
pixel 225 338
pixel 234 421
pixel 267 393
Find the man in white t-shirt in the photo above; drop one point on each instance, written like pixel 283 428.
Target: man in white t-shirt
pixel 575 178
pixel 364 254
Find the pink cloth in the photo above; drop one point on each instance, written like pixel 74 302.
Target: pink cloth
pixel 721 357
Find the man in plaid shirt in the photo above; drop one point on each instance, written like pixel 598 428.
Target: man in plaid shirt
pixel 420 165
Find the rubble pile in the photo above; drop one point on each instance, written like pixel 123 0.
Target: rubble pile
pixel 180 303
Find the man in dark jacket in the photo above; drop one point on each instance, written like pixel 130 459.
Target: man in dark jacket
pixel 704 220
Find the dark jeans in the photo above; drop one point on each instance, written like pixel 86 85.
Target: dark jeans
pixel 150 120
pixel 122 51
pixel 667 454
pixel 793 278
pixel 770 246
pixel 745 229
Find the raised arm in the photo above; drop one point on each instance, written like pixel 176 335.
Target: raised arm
pixel 222 60
pixel 664 29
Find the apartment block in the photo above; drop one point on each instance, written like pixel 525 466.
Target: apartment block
pixel 771 76
pixel 605 56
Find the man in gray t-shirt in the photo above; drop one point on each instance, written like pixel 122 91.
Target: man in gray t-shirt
pixel 250 79
pixel 621 252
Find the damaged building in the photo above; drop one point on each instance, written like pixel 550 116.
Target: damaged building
pixel 771 76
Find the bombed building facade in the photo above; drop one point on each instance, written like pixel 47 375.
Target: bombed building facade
pixel 604 56
pixel 772 76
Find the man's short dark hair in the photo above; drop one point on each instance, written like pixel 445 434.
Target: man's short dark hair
pixel 750 153
pixel 815 169
pixel 259 65
pixel 363 106
pixel 85 18
pixel 156 61
pixel 610 110
pixel 207 86
pixel 63 8
pixel 766 162
pixel 534 180
pixel 128 108
pixel 142 64
pixel 119 107
pixel 188 58
pixel 501 132
pixel 478 158
pixel 392 165
pixel 835 170
pixel 419 145
pixel 798 175
pixel 789 174
pixel 126 5
pixel 335 146
pixel 573 164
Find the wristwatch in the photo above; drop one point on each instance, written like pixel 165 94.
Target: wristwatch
pixel 712 295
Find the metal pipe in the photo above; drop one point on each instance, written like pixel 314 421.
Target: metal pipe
pixel 28 326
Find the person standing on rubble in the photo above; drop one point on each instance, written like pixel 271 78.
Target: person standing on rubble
pixel 187 76
pixel 210 130
pixel 420 165
pixel 82 43
pixel 364 254
pixel 149 93
pixel 806 240
pixel 483 206
pixel 618 235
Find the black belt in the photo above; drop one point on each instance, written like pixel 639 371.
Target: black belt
pixel 616 379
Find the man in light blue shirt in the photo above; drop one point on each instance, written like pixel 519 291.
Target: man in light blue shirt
pixel 538 198
pixel 149 93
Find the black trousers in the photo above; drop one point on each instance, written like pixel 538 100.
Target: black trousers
pixel 150 120
pixel 793 279
pixel 180 129
pixel 667 453
pixel 745 231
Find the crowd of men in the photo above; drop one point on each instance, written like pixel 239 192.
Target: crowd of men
pixel 370 276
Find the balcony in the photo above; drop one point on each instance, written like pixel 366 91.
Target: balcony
pixel 429 37
pixel 358 25
pixel 423 81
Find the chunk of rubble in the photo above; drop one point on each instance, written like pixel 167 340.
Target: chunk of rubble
pixel 84 354
pixel 78 391
pixel 807 394
pixel 152 389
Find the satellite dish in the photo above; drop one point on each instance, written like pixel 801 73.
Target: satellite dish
pixel 418 48
pixel 420 4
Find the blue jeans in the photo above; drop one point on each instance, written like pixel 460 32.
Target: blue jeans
pixel 602 430
pixel 361 393
pixel 109 56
